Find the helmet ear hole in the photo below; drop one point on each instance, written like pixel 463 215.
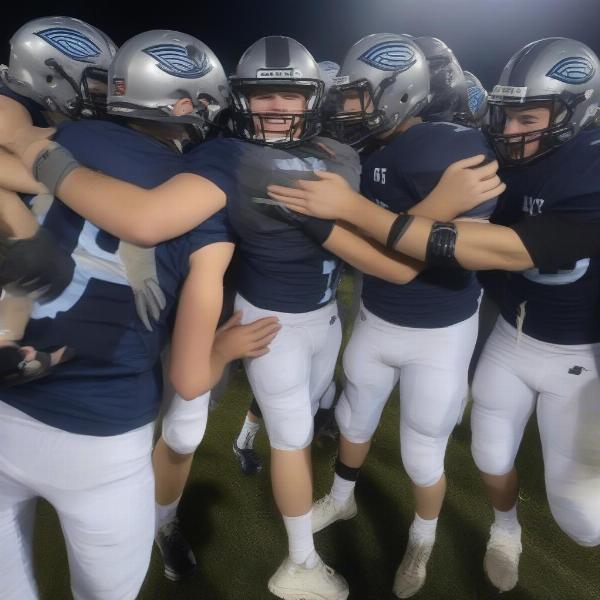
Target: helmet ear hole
pixel 404 98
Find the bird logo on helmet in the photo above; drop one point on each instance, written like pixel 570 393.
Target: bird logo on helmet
pixel 384 80
pixel 154 70
pixel 61 63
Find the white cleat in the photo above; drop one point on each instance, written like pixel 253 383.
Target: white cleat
pixel 410 576
pixel 501 561
pixel 297 582
pixel 325 511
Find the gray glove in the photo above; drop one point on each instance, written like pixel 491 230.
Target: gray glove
pixel 140 268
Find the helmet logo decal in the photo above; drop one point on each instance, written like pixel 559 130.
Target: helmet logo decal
pixel 71 43
pixel 177 61
pixel 573 70
pixel 390 56
pixel 476 97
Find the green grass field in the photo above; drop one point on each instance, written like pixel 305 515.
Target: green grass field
pixel 239 539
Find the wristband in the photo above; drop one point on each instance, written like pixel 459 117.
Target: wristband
pixel 52 165
pixel 441 245
pixel 398 229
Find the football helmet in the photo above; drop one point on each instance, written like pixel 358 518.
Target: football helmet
pixel 558 73
pixel 276 64
pixel 448 87
pixel 384 79
pixel 155 69
pixel 61 63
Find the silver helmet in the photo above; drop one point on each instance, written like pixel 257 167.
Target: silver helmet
pixel 477 99
pixel 276 64
pixel 448 88
pixel 155 69
pixel 61 63
pixel 329 71
pixel 558 73
pixel 384 79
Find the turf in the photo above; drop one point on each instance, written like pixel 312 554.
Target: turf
pixel 239 540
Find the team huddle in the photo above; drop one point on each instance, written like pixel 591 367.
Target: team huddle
pixel 161 221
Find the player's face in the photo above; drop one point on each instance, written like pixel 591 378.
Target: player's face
pixel 522 121
pixel 269 104
pixel 353 102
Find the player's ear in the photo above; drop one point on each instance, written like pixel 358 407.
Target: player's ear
pixel 183 106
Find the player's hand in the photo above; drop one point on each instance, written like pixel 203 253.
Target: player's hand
pixel 468 183
pixel 329 197
pixel 35 265
pixel 140 268
pixel 233 341
pixel 17 133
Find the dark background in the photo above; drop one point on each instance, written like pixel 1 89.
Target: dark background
pixel 482 33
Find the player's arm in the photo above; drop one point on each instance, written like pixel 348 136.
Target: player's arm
pixel 546 242
pixel 198 352
pixel 371 258
pixel 463 186
pixel 16 220
pixel 141 216
pixel 15 176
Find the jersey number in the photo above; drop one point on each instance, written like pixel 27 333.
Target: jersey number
pixel 379 175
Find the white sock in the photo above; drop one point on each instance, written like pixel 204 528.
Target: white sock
pixel 507 520
pixel 341 490
pixel 422 530
pixel 165 513
pixel 247 434
pixel 300 540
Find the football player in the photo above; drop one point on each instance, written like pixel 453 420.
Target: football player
pixel 57 69
pixel 420 333
pixel 543 353
pixel 94 414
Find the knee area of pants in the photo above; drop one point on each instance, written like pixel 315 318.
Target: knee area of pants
pixel 348 426
pixel 291 438
pixel 491 462
pixel 183 438
pixel 423 477
pixel 583 529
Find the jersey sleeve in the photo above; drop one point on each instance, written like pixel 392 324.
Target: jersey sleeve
pixel 216 161
pixel 215 229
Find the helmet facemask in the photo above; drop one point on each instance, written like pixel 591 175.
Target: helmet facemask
pixel 291 128
pixel 511 148
pixel 353 126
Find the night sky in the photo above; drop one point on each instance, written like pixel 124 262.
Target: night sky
pixel 482 33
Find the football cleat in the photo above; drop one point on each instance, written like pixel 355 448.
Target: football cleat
pixel 178 558
pixel 410 576
pixel 501 561
pixel 325 511
pixel 297 582
pixel 249 461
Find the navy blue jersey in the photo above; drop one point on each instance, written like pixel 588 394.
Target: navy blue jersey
pixel 399 176
pixel 559 307
pixel 113 383
pixel 36 111
pixel 280 267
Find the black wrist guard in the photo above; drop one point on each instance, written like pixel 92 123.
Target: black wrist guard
pixel 441 245
pixel 398 229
